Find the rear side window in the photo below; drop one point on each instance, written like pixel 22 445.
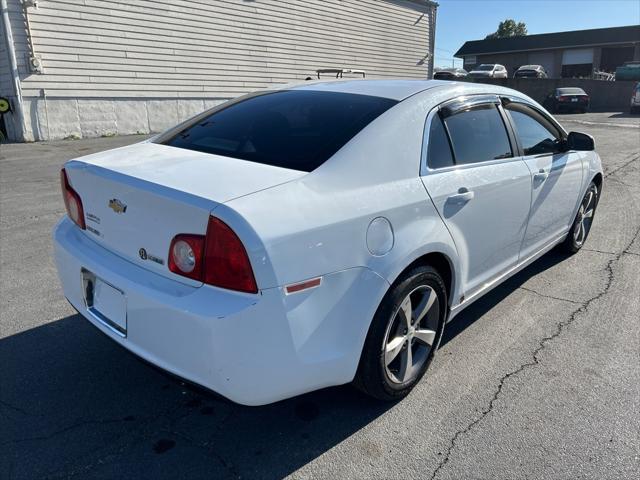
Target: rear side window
pixel 439 152
pixel 478 135
pixel 537 135
pixel 295 129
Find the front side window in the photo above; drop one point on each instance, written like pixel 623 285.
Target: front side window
pixel 295 129
pixel 537 135
pixel 478 135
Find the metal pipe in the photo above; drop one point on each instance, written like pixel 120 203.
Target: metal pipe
pixel 13 65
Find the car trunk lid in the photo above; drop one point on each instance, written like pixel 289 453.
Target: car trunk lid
pixel 137 199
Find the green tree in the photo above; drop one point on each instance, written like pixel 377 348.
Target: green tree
pixel 509 28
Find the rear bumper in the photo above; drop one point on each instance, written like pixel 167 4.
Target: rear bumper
pixel 572 105
pixel 252 349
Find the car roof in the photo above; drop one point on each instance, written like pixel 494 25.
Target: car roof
pixel 401 89
pixel 393 89
pixel 570 90
pixel 530 67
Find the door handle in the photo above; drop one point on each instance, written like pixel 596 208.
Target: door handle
pixel 541 175
pixel 464 195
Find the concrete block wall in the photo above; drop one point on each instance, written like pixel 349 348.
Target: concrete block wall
pixel 49 118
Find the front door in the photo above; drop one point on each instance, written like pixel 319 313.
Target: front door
pixel 481 190
pixel 556 177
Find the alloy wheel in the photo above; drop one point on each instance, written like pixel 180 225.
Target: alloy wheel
pixel 411 334
pixel 585 217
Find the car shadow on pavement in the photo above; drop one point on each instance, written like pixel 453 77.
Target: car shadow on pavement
pixel 72 402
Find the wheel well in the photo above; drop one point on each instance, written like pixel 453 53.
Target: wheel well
pixel 441 263
pixel 598 181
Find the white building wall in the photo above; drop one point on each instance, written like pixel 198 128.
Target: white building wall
pixel 138 66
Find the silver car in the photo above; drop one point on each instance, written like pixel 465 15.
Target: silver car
pixel 489 70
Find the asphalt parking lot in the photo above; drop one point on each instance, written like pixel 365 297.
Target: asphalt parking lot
pixel 539 379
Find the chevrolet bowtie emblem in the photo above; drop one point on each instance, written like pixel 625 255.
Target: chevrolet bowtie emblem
pixel 117 206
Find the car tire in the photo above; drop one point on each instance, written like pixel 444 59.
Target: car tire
pixel 583 220
pixel 398 352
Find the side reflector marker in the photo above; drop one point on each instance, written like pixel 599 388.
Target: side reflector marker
pixel 301 286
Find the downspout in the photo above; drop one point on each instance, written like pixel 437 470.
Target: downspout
pixel 432 39
pixel 13 65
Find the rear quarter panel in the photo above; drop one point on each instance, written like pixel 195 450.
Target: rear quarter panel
pixel 318 224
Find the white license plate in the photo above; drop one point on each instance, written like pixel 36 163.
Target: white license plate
pixel 574 99
pixel 106 303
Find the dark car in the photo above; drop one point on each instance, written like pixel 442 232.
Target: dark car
pixel 531 71
pixel 567 99
pixel 450 74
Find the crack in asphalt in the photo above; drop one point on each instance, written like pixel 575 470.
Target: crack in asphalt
pixel 598 251
pixel 102 453
pixel 624 165
pixel 8 406
pixel 82 423
pixel 542 345
pixel 544 295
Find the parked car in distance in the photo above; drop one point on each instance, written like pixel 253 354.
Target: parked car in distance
pixel 531 71
pixel 489 70
pixel 450 74
pixel 628 71
pixel 567 99
pixel 635 99
pixel 281 242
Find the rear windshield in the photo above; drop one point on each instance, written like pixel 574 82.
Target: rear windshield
pixel 571 91
pixel 295 129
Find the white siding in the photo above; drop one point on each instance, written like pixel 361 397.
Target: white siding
pixel 213 49
pixel 139 66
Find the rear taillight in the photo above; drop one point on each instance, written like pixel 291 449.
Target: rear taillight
pixel 219 258
pixel 225 258
pixel 185 256
pixel 72 201
pixel 562 98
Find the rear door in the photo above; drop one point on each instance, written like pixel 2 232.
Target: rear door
pixel 556 175
pixel 479 186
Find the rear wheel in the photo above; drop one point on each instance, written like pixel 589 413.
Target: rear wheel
pixel 404 335
pixel 583 221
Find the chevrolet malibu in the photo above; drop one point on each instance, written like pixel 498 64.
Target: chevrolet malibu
pixel 319 234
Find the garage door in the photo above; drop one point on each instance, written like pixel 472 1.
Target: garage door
pixel 577 56
pixel 545 59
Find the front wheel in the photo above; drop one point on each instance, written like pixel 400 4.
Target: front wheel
pixel 404 335
pixel 583 220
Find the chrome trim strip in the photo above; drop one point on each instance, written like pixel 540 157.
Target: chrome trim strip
pixel 106 322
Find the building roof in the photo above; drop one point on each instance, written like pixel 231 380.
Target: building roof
pixel 577 38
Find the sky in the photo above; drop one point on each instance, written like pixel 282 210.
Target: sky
pixel 462 20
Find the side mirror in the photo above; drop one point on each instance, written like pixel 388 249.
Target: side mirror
pixel 581 142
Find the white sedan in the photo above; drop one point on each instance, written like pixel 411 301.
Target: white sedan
pixel 319 234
